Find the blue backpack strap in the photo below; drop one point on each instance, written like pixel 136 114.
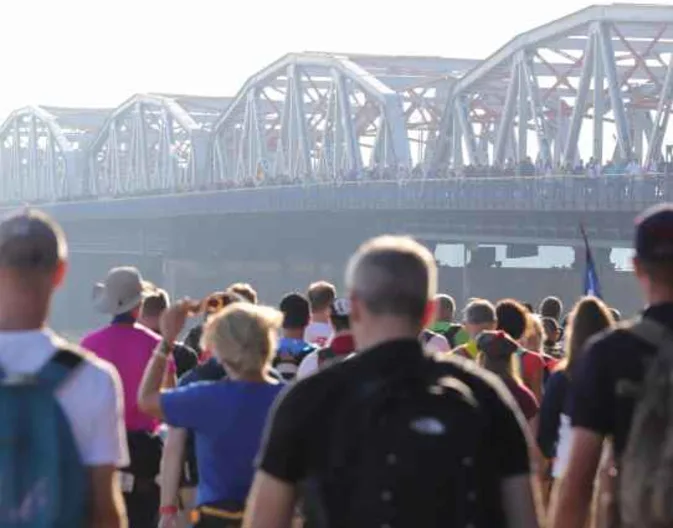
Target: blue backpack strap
pixel 59 367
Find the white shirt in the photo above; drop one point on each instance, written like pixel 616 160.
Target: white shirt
pixel 91 398
pixel 318 333
pixel 437 344
pixel 308 365
pixel 562 447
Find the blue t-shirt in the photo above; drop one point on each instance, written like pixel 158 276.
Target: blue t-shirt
pixel 289 356
pixel 227 418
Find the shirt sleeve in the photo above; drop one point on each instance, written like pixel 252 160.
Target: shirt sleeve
pixel 511 450
pixel 592 392
pixel 184 406
pixel 438 344
pixel 550 413
pixel 283 453
pixel 308 366
pixel 104 441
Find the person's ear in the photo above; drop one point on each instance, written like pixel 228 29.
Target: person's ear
pixel 637 267
pixel 60 273
pixel 356 308
pixel 429 313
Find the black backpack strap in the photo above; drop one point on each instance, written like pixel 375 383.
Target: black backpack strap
pixel 451 334
pixel 59 367
pixel 650 331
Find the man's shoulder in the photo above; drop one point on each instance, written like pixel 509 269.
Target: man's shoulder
pixel 484 384
pixel 91 366
pixel 135 332
pixel 211 370
pixel 615 340
pixel 337 378
pixel 142 332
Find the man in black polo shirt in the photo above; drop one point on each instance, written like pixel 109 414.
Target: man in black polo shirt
pixel 606 386
pixel 393 436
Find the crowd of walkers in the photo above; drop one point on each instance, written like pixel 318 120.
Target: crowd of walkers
pixel 384 406
pixel 526 168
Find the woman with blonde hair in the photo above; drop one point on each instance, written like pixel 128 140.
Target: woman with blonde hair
pixel 589 317
pixel 227 416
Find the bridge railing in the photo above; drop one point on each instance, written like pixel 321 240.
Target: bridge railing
pixel 540 193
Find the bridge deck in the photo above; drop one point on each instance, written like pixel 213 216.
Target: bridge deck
pixel 626 194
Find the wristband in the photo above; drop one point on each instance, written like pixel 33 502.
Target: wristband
pixel 168 510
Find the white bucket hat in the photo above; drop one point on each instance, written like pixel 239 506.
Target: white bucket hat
pixel 122 290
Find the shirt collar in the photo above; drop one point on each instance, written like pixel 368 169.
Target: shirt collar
pixel 393 355
pixel 662 313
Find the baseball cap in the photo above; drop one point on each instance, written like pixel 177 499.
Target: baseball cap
pixel 341 307
pixel 31 240
pixel 122 290
pixel 479 312
pixel 654 233
pixel 496 344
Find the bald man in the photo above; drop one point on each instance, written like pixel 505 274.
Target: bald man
pixel 375 435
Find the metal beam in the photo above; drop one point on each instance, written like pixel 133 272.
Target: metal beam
pixel 522 136
pixel 578 22
pixel 468 131
pixel 621 122
pixel 537 111
pixel 599 103
pixel 507 118
pixel 580 103
pixel 658 130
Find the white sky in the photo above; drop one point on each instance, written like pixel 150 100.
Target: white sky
pixel 95 53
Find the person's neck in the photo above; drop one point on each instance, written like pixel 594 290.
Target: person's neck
pixel 124 319
pixel 320 317
pixel 23 316
pixel 660 296
pixel 293 333
pixel 252 377
pixel 150 324
pixel 376 336
pixel 19 323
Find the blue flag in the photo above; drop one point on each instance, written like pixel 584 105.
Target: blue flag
pixel 592 285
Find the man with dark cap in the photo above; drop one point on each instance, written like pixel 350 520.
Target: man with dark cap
pixel 605 389
pixel 292 348
pixel 33 264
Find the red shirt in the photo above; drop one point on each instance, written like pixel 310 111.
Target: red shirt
pixel 524 397
pixel 531 364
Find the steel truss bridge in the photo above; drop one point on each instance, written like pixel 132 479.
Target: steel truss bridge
pixel 602 76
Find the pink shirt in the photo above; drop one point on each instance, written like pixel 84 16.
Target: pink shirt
pixel 129 348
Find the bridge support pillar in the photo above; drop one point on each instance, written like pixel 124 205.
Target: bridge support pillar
pixel 601 258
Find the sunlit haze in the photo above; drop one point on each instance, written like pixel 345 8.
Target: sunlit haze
pixel 97 53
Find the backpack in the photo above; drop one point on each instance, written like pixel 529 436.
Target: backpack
pixel 451 334
pixel 399 407
pixel 646 469
pixel 44 482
